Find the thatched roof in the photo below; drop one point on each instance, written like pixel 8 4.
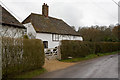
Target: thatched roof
pixel 7 19
pixel 44 24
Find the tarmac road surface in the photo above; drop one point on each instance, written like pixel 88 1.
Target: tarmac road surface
pixel 102 67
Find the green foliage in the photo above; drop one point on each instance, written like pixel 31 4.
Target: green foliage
pixel 104 47
pixel 34 52
pixel 116 32
pixel 25 37
pixel 90 56
pixel 31 74
pixel 20 55
pixel 75 49
pixel 78 49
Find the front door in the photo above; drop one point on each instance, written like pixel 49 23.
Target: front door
pixel 45 44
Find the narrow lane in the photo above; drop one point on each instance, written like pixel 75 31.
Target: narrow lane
pixel 103 67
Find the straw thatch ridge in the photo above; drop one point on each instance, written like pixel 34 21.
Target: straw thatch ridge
pixel 44 24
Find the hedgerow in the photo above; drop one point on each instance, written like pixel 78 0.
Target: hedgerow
pixel 76 49
pixel 20 55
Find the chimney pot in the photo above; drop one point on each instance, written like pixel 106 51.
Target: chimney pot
pixel 45 9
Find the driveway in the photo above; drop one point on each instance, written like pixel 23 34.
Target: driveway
pixel 103 67
pixel 53 65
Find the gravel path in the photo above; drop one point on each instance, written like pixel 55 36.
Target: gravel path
pixel 53 65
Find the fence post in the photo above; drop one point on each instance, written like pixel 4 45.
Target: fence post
pixel 59 53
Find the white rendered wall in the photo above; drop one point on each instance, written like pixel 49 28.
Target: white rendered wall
pixel 47 37
pixel 10 31
pixel 68 37
pixel 30 30
pixel 53 44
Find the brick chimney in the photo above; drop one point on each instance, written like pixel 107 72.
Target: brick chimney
pixel 45 8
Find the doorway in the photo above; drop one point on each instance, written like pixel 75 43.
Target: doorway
pixel 45 44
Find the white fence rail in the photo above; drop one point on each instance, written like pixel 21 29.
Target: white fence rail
pixel 52 53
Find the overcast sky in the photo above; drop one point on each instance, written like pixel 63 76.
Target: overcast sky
pixel 73 12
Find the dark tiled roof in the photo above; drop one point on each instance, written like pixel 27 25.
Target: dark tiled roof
pixel 7 19
pixel 44 24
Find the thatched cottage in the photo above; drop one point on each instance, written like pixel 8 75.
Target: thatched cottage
pixel 50 30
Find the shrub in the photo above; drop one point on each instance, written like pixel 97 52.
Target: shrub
pixel 75 49
pixel 19 55
pixel 104 47
pixel 78 49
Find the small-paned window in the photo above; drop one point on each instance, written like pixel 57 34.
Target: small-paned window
pixel 55 37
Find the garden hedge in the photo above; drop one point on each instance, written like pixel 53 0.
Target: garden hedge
pixel 20 55
pixel 104 47
pixel 75 49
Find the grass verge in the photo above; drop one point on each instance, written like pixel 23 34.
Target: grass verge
pixel 31 74
pixel 91 56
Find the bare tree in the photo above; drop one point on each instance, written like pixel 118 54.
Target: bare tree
pixel 99 33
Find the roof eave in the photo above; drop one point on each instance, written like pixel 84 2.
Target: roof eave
pixel 13 25
pixel 57 33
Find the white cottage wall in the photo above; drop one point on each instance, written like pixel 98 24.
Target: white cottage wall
pixel 79 38
pixel 30 30
pixel 47 37
pixel 53 44
pixel 10 31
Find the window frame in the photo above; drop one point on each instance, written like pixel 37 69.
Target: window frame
pixel 55 37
